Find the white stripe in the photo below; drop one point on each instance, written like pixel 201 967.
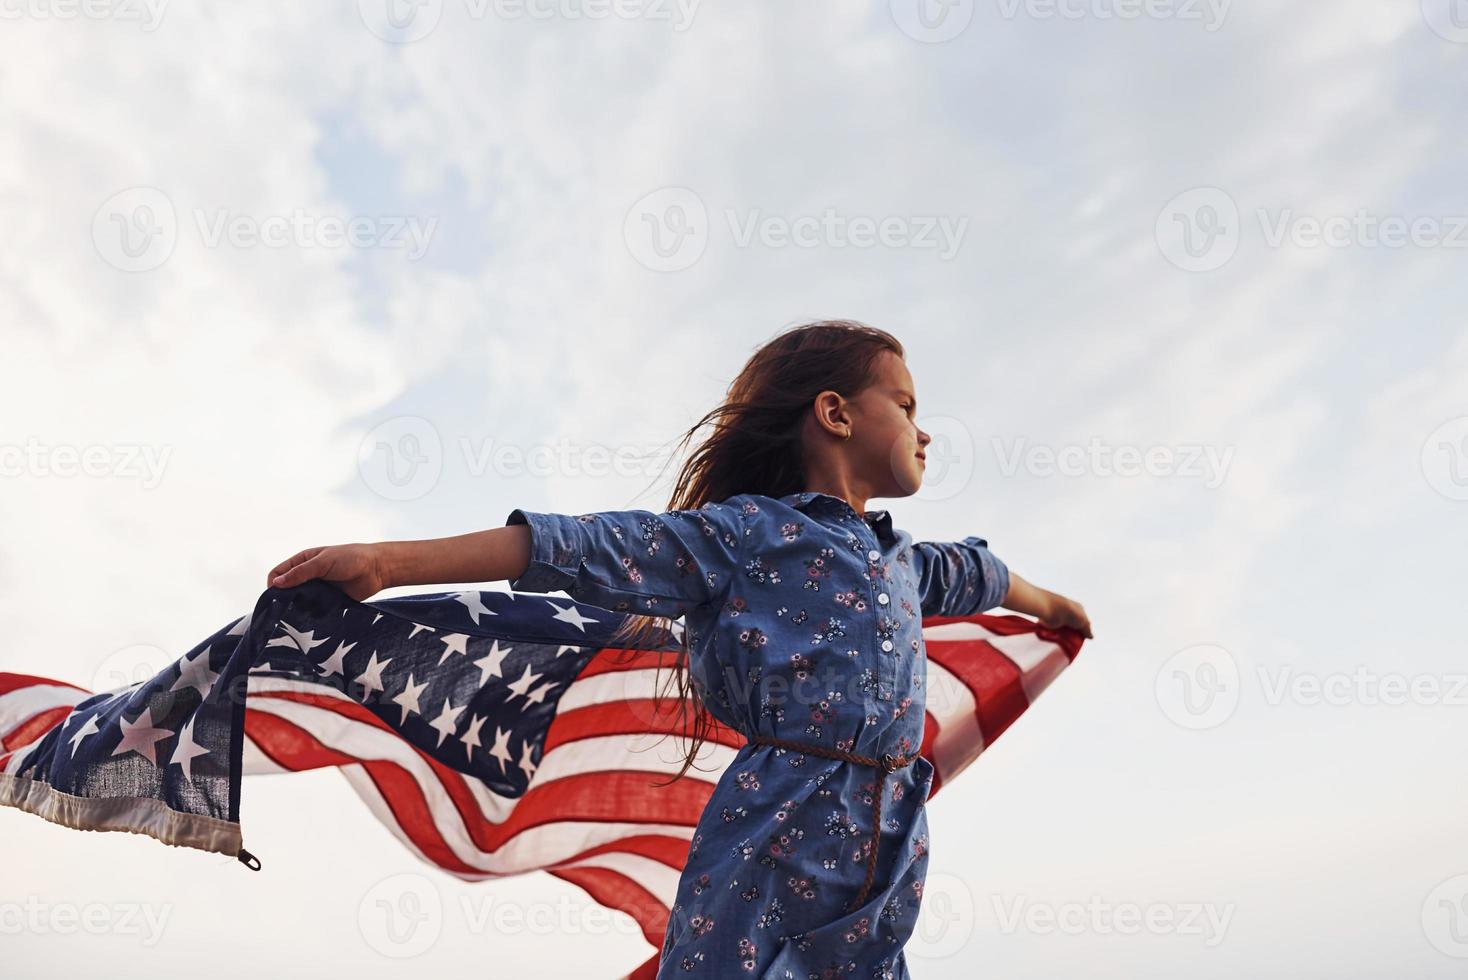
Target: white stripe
pixel 1039 661
pixel 655 876
pixel 618 685
pixel 960 740
pixel 528 850
pixel 25 703
pixel 254 762
pixel 646 752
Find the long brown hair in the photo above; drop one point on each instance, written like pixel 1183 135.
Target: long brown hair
pixel 754 446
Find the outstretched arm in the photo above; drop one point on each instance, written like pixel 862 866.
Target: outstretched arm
pixel 363 570
pixel 1050 608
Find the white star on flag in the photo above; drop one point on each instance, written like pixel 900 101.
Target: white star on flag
pixel 492 664
pixel 501 748
pixel 371 677
pixel 303 641
pixel 474 603
pixel 408 698
pixel 139 735
pixel 187 750
pixel 471 737
pixel 89 727
pixel 336 663
pixel 446 720
pixel 453 643
pixel 572 615
pixel 523 682
pixel 196 674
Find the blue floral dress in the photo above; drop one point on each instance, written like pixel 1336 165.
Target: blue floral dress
pixel 804 619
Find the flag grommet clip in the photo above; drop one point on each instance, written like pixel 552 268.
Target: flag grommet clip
pixel 248 860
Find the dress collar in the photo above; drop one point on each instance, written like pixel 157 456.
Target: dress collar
pixel 879 520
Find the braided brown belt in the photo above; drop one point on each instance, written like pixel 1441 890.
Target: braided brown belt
pixel 887 763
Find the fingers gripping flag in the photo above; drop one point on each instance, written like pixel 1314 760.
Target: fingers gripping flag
pixel 494 733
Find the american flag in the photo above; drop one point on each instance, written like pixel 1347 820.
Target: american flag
pixel 494 733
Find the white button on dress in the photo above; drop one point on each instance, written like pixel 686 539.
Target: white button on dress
pixel 886 644
pixel 873 555
pixel 882 598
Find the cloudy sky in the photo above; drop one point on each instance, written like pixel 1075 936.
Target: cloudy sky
pixel 1182 286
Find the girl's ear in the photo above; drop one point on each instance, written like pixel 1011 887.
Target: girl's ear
pixel 832 414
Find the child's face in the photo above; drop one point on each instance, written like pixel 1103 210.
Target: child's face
pixel 886 444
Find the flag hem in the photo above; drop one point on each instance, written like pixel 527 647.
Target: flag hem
pixel 150 817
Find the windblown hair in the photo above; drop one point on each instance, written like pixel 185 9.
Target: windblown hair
pixel 755 446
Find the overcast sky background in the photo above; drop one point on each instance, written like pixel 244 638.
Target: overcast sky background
pixel 1115 189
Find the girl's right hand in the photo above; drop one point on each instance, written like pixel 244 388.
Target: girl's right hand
pixel 1068 613
pixel 355 568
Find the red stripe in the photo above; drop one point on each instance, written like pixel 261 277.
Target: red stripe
pixel 34 727
pixel 616 891
pixel 600 796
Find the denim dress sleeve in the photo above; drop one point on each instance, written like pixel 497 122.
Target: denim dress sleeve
pixel 656 564
pixel 958 578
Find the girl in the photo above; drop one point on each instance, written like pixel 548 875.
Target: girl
pixel 802 619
